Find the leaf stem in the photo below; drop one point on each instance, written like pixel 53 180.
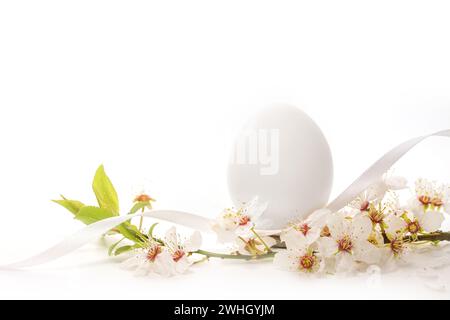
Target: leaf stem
pixel 141 220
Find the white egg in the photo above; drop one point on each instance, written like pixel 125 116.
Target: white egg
pixel 283 158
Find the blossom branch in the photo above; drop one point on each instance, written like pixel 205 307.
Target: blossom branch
pixel 433 237
pixel 235 256
pixel 325 240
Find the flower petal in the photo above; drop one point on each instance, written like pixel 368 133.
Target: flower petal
pixel 164 264
pixel 394 225
pixel 194 242
pixel 414 204
pixel 182 265
pixel 313 235
pixel 366 252
pixel 336 225
pixel 255 209
pixel 327 246
pixel 344 263
pixel 430 221
pixel 396 182
pixel 319 218
pixel 376 191
pixel 286 259
pixel 171 237
pixel 294 239
pixel 269 241
pixel 362 227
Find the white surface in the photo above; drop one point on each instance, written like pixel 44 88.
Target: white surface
pixel 157 91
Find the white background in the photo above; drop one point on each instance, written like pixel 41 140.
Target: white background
pixel 156 91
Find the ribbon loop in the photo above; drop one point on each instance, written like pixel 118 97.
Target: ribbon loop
pixel 375 172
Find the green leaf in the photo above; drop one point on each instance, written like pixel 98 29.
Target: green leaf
pixel 139 206
pixel 124 249
pixel 105 192
pixel 89 215
pixel 152 228
pixel 72 205
pixel 130 232
pixel 114 246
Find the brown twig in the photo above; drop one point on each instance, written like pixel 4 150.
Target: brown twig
pixel 432 237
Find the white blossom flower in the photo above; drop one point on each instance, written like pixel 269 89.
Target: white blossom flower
pixel 430 195
pixel 233 223
pixel 143 201
pixel 310 228
pixel 168 259
pixel 373 194
pixel 349 241
pixel 179 250
pixel 395 251
pixel 300 256
pixel 407 223
pixel 414 223
pixel 153 259
pixel 395 182
pixel 394 225
pixel 141 196
pixel 429 221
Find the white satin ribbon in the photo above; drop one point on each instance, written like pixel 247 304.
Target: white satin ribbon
pixel 96 230
pixel 376 171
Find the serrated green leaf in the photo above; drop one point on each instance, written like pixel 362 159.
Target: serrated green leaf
pixel 89 215
pixel 72 205
pixel 105 192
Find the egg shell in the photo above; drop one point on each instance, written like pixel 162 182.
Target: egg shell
pixel 282 157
